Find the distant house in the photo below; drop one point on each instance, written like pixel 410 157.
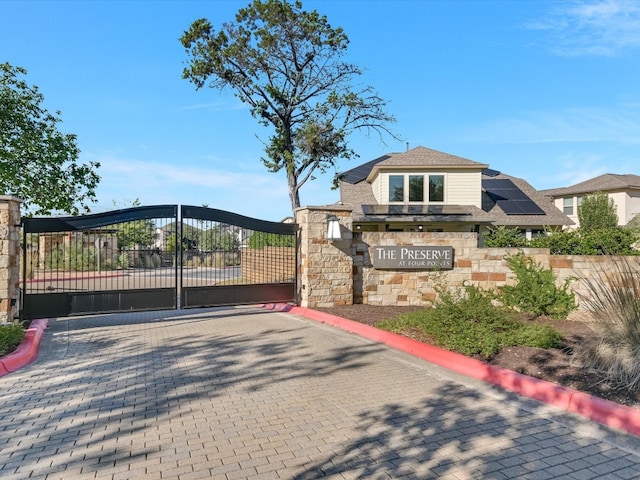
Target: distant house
pixel 624 190
pixel 427 190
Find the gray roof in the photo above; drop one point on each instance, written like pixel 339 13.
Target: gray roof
pixel 604 183
pixel 356 195
pixel 552 215
pixel 426 157
pixel 357 192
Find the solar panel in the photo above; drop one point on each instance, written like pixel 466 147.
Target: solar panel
pixel 414 210
pixel 489 172
pixel 359 173
pixel 510 198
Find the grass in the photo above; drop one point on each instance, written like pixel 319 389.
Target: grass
pixel 10 337
pixel 470 323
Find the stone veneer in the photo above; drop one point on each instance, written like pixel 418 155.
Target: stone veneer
pixel 325 268
pixel 9 258
pixel 341 272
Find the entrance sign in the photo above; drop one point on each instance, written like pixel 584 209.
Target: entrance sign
pixel 415 258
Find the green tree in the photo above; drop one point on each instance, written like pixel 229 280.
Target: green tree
pixel 285 63
pixel 217 238
pixel 138 232
pixel 38 163
pixel 597 212
pixel 259 240
pixel 190 237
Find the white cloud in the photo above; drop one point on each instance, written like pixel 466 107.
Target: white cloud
pixel 585 124
pixel 252 192
pixel 576 167
pixel 591 28
pixel 159 172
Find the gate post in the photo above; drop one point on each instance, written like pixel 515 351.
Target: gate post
pixel 325 269
pixel 9 258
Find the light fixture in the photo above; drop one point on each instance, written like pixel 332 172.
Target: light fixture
pixel 333 228
pixel 420 227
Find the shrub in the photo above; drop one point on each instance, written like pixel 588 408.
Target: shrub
pixel 123 260
pixel 536 290
pixel 613 301
pixel 503 237
pixel 592 241
pixel 81 258
pixel 566 242
pixel 10 338
pixel 262 239
pixel 608 241
pixel 467 321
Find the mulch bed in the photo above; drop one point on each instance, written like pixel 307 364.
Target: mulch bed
pixel 552 364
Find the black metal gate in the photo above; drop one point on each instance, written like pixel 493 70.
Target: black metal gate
pixel 151 258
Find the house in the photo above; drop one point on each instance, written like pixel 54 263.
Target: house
pixel 624 190
pixel 427 190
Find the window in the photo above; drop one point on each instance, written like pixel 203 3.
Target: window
pixel 436 188
pixel 411 188
pixel 396 188
pixel 416 188
pixel 567 206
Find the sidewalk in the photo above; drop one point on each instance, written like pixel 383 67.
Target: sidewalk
pixel 235 393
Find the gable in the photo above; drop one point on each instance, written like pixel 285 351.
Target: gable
pixel 473 193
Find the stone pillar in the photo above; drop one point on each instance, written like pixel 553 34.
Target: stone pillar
pixel 9 258
pixel 325 270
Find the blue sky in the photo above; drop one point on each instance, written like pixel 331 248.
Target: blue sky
pixel 544 90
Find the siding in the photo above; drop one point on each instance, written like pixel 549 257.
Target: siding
pixel 379 185
pixel 460 187
pixel 627 206
pixel 463 188
pixel 633 205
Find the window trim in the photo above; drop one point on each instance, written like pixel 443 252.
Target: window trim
pixel 426 179
pixel 568 205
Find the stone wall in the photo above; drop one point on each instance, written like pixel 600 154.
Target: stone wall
pixel 325 268
pixel 9 258
pixel 342 272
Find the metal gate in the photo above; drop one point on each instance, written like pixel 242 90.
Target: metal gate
pixel 153 258
pixel 236 260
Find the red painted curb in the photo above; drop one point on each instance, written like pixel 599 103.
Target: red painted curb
pixel 27 352
pixel 593 408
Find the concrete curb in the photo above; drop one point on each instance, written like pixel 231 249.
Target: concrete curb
pixel 27 352
pixel 571 400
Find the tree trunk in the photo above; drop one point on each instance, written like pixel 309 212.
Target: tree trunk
pixel 294 194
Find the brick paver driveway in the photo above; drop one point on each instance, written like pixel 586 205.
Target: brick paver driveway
pixel 249 393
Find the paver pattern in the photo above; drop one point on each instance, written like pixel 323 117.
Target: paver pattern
pixel 246 393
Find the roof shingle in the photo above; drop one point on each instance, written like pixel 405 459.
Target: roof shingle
pixel 604 183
